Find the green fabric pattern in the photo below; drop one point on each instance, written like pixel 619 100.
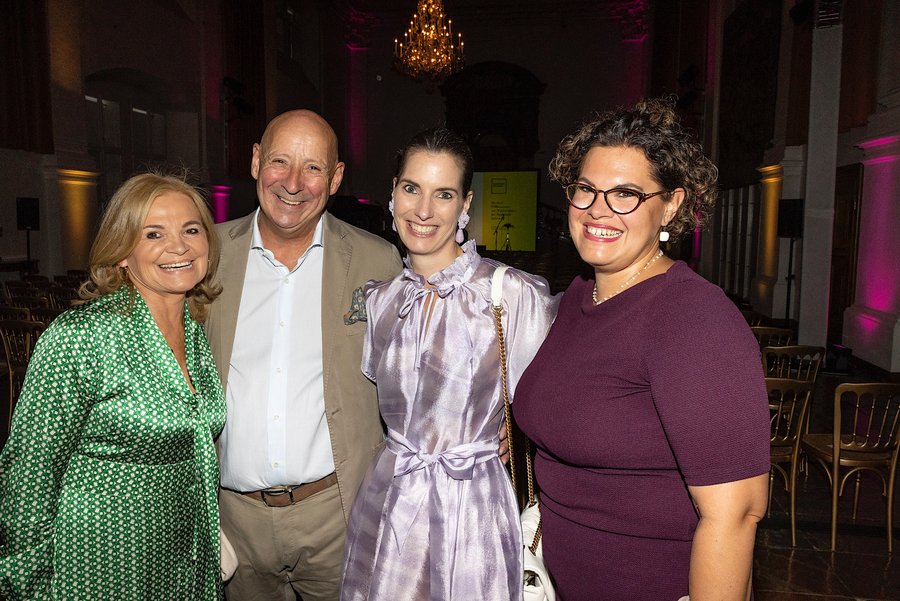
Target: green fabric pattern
pixel 108 481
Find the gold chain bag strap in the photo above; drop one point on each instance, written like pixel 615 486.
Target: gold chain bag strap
pixel 537 585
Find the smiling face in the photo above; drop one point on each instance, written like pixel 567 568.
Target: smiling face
pixel 428 200
pixel 614 243
pixel 172 253
pixel 296 170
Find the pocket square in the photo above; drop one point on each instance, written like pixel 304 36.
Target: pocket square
pixel 357 310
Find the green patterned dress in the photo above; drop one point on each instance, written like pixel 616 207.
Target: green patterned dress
pixel 108 481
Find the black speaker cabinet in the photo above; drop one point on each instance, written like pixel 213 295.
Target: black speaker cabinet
pixel 790 218
pixel 27 214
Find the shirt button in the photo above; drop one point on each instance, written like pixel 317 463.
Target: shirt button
pixel 275 464
pixel 286 281
pixel 277 417
pixel 278 370
pixel 281 323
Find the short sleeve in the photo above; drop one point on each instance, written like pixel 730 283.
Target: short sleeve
pixel 707 385
pixel 531 310
pixel 369 361
pixel 46 430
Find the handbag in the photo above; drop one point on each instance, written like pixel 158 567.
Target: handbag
pixel 536 579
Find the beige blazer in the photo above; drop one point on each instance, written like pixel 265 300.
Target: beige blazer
pixel 352 257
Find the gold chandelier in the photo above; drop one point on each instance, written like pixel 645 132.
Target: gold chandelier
pixel 428 51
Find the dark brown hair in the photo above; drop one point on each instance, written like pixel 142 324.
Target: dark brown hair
pixel 676 158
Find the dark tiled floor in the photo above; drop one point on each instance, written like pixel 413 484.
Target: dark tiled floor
pixel 860 568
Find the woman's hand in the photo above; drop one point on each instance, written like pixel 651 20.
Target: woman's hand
pixel 503 451
pixel 722 554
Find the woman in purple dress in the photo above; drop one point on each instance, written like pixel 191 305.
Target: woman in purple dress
pixel 647 400
pixel 436 518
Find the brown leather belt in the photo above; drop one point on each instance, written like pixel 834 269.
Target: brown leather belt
pixel 284 496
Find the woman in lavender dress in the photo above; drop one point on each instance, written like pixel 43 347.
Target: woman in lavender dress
pixel 436 518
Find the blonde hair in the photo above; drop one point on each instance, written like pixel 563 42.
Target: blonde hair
pixel 120 231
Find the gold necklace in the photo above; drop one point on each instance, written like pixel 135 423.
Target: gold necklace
pixel 627 283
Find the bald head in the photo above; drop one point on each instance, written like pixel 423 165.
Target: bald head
pixel 296 169
pixel 303 122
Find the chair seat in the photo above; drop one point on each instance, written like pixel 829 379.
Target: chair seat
pixel 781 454
pixel 822 446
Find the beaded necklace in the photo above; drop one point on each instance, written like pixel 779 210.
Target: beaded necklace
pixel 627 283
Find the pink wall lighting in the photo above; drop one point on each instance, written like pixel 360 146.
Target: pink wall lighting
pixel 878 279
pixel 220 195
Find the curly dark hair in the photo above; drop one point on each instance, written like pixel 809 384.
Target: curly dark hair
pixel 676 158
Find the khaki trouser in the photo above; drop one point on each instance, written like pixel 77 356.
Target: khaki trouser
pixel 285 553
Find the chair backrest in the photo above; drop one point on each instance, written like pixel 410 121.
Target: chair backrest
pixel 44 315
pixel 800 362
pixel 867 417
pixel 41 285
pixel 61 297
pixel 18 288
pixel 788 407
pixel 29 302
pixel 754 318
pixel 19 338
pixel 15 313
pixel 769 336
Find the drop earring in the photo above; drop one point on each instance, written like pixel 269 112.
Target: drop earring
pixel 663 236
pixel 391 211
pixel 462 222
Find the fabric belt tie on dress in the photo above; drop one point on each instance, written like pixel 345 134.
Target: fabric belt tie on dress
pixel 284 496
pixel 458 463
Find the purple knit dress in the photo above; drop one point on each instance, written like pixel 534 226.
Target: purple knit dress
pixel 435 518
pixel 629 402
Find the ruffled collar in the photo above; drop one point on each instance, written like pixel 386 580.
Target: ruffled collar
pixel 444 281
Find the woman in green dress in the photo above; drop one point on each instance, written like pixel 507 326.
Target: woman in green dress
pixel 108 481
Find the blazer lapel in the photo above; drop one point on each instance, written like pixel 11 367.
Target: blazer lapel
pixel 232 268
pixel 335 276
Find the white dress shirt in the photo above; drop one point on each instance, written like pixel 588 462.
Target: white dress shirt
pixel 276 433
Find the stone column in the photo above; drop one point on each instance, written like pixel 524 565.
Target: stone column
pixel 74 198
pixel 818 219
pixel 78 215
pixel 763 284
pixel 872 323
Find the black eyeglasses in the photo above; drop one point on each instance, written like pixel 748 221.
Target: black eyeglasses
pixel 620 200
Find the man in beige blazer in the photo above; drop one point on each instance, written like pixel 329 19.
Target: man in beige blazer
pixel 288 530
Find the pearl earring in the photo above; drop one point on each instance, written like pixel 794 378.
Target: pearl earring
pixel 462 222
pixel 663 236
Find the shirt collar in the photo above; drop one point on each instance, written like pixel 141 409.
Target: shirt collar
pixel 256 240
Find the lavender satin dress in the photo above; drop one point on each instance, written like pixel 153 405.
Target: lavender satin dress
pixel 435 518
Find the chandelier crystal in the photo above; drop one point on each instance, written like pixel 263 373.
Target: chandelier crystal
pixel 428 50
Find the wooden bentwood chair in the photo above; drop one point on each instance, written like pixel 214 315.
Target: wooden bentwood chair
pixel 865 437
pixel 19 338
pixel 798 362
pixel 769 336
pixel 788 408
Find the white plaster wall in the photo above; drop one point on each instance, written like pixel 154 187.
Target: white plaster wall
pixel 31 175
